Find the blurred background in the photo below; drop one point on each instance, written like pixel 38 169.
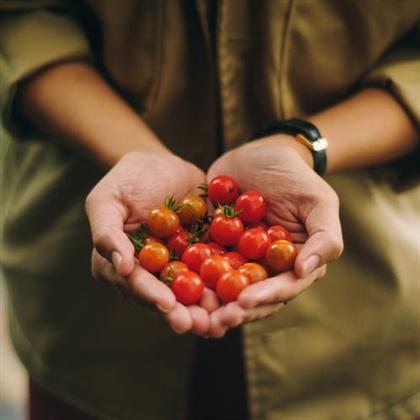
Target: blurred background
pixel 13 380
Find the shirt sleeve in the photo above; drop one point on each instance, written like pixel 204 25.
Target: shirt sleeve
pixel 398 72
pixel 32 38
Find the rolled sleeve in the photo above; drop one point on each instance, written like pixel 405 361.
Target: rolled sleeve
pixel 30 41
pixel 398 72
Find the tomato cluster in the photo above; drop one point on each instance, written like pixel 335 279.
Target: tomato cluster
pixel 226 251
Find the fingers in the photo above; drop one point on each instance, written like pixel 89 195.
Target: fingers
pixel 179 318
pixel 277 289
pixel 200 320
pixel 104 270
pixel 106 218
pixel 233 315
pixel 209 301
pixel 146 286
pixel 325 242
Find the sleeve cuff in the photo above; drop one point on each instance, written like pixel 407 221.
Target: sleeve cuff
pixel 29 42
pixel 399 74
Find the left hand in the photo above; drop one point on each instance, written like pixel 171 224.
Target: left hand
pixel 300 200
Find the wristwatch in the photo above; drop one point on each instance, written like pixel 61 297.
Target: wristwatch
pixel 305 133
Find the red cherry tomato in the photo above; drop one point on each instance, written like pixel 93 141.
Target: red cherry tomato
pixel 212 268
pixel 216 249
pixel 153 257
pixel 226 230
pixel 162 222
pixel 252 206
pixel 230 285
pixel 178 242
pixel 277 232
pixel 253 243
pixel 193 208
pixel 223 190
pixel 281 255
pixel 254 271
pixel 188 288
pixel 171 270
pixel 235 259
pixel 194 255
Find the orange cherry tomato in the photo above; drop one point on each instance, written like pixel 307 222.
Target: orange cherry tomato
pixel 254 271
pixel 153 257
pixel 171 270
pixel 193 208
pixel 212 268
pixel 163 222
pixel 230 285
pixel 281 255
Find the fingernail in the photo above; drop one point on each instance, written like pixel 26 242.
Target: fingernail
pixel 310 265
pixel 162 309
pixel 116 259
pixel 178 331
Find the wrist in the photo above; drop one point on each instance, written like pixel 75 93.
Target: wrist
pixel 289 142
pixel 110 150
pixel 304 133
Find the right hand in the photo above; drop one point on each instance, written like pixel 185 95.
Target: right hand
pixel 139 182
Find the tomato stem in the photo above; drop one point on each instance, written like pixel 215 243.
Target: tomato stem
pixel 170 203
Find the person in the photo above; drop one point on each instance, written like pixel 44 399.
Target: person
pixel 123 103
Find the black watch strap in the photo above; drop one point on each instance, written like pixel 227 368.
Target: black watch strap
pixel 307 134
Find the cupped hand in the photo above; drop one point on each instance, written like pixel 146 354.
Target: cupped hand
pixel 120 202
pixel 298 199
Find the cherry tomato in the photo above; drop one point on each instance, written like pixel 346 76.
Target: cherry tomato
pixel 212 268
pixel 235 259
pixel 230 285
pixel 281 255
pixel 218 211
pixel 194 255
pixel 226 230
pixel 216 249
pixel 163 222
pixel 252 206
pixel 277 232
pixel 178 242
pixel 254 271
pixel 223 190
pixel 193 208
pixel 171 270
pixel 253 243
pixel 188 288
pixel 153 257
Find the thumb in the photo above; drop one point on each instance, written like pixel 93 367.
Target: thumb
pixel 106 218
pixel 325 242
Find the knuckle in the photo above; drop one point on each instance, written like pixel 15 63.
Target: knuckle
pixel 90 200
pixel 337 246
pixel 103 240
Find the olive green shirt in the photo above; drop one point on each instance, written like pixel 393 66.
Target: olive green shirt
pixel 349 347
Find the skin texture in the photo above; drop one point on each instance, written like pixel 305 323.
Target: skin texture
pixel 372 121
